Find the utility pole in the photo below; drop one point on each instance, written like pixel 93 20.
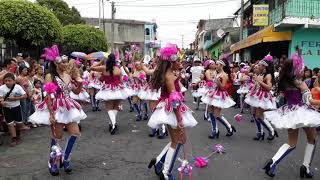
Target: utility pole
pixel 182 41
pixel 113 12
pixel 104 22
pixel 99 14
pixel 241 20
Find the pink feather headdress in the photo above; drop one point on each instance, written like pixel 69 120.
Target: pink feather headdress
pixel 268 57
pixel 207 63
pixel 169 53
pixel 298 63
pixel 52 54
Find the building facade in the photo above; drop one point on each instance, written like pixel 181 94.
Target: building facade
pixel 291 23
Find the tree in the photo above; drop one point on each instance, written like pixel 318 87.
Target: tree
pixel 28 23
pixel 62 11
pixel 83 38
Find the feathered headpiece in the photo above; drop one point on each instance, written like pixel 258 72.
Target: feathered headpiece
pixel 245 69
pixel 169 53
pixel 298 62
pixel 267 58
pixel 52 54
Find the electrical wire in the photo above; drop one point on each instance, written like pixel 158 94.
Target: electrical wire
pixel 174 5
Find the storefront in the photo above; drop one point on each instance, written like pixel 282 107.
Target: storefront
pixel 309 41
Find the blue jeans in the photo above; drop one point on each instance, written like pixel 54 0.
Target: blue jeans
pixel 27 109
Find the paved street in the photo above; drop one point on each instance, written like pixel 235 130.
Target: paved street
pixel 98 155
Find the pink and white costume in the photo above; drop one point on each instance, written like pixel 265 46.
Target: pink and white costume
pixel 260 98
pixel 112 89
pixel 148 93
pixel 66 110
pixel 218 97
pixel 164 113
pixel 94 81
pixel 245 87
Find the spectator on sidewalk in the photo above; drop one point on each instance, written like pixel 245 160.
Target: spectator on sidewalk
pixel 10 96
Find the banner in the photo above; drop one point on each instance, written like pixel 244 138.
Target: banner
pixel 261 15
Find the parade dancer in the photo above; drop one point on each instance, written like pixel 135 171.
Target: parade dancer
pixel 170 110
pixel 112 91
pixel 261 99
pixel 83 96
pixel 148 93
pixel 296 114
pixel 94 86
pixel 245 81
pixel 209 75
pixel 219 99
pixel 58 109
pixel 139 79
pixel 126 80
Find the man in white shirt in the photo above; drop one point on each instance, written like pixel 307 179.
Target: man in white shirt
pixel 10 96
pixel 196 75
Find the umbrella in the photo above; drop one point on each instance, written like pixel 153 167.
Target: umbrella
pixel 97 55
pixel 79 55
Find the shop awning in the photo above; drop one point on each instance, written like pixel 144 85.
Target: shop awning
pixel 264 35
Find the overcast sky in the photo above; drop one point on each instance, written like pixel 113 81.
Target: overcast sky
pixel 173 21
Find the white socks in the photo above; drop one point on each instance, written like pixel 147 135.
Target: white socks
pixel 164 150
pixel 112 117
pixel 308 156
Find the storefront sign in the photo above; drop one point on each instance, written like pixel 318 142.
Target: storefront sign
pixel 261 15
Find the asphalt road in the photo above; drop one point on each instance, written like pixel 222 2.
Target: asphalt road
pixel 125 156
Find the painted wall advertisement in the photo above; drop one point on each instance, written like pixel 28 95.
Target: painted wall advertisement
pixel 309 41
pixel 261 15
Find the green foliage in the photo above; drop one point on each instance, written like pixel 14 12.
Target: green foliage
pixel 62 11
pixel 83 38
pixel 28 23
pixel 189 52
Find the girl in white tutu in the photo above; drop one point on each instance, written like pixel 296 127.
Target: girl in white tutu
pixel 245 83
pixel 296 114
pixel 260 97
pixel 219 99
pixel 148 93
pixel 171 111
pixel 59 110
pixel 139 80
pixel 112 90
pixel 94 86
pixel 210 73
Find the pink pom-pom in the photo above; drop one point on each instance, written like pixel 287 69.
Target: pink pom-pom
pixel 50 87
pixel 125 78
pixel 268 57
pixel 142 76
pixel 210 84
pixel 78 62
pixel 175 98
pixel 167 52
pixel 238 117
pixel 128 56
pixel 201 162
pixel 298 63
pixel 85 83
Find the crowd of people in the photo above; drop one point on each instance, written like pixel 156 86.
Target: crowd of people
pixel 282 95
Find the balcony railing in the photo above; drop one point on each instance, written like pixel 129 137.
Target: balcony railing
pixel 295 8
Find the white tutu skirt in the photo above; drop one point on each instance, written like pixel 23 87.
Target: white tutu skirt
pixel 196 94
pixel 62 114
pixel 149 94
pixel 162 115
pixel 218 98
pixel 294 117
pixel 261 99
pixel 109 92
pixel 183 89
pixel 94 85
pixel 243 89
pixel 82 96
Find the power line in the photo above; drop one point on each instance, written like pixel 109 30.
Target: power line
pixel 174 5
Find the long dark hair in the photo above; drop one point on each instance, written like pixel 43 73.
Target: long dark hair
pixel 111 62
pixel 286 76
pixel 270 70
pixel 158 77
pixel 226 68
pixel 53 71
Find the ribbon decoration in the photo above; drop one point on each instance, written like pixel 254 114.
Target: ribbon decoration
pixel 185 169
pixel 238 117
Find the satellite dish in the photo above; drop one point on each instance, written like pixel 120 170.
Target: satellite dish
pixel 220 33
